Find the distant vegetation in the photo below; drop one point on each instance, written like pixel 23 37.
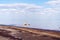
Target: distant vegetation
pixel 5 25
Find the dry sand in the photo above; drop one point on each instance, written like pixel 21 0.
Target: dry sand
pixel 21 33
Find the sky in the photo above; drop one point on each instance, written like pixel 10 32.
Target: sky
pixel 23 1
pixel 42 14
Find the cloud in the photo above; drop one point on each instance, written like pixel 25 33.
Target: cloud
pixel 54 3
pixel 51 13
pixel 23 8
pixel 30 9
pixel 19 8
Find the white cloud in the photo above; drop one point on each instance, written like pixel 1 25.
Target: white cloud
pixel 54 3
pixel 22 8
pixel 19 5
pixel 19 8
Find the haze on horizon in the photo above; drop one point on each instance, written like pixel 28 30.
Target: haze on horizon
pixel 39 13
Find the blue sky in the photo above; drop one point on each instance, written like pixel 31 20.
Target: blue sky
pixel 38 2
pixel 39 13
